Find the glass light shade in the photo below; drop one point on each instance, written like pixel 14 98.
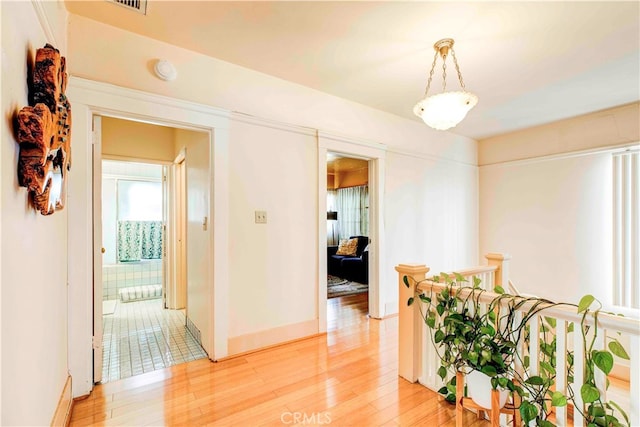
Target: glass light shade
pixel 445 110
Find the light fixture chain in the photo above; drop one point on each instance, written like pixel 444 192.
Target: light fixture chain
pixel 433 66
pixel 444 73
pixel 455 61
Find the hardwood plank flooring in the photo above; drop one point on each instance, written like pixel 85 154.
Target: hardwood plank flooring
pixel 346 377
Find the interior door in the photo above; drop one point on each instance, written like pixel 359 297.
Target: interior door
pixel 198 253
pixel 97 249
pixel 181 221
pixel 176 290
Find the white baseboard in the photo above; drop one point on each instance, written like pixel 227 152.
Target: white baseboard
pixel 271 337
pixel 62 415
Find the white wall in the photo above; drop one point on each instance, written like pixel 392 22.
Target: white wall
pixel 274 265
pixel 34 247
pixel 546 198
pixel 555 218
pixel 430 215
pixel 137 140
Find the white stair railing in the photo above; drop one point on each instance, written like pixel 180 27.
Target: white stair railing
pixel 418 360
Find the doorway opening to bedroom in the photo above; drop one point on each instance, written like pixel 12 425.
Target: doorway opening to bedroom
pixel 347 239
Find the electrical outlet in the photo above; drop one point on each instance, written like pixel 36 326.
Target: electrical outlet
pixel 261 217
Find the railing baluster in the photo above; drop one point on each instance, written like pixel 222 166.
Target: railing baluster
pixel 534 345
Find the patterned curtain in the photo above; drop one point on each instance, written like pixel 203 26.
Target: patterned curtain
pixel 353 211
pixel 139 240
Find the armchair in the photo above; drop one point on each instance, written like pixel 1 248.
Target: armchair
pixel 350 267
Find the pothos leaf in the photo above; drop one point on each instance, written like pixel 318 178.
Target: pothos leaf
pixel 617 349
pixel 558 399
pixel 405 279
pixel 442 372
pixel 410 301
pixel 476 281
pixel 548 367
pixel 545 423
pixel 459 277
pixel 498 290
pixel 489 370
pixel 596 411
pixel 603 360
pixel 535 380
pixel 431 321
pixel 551 321
pixel 589 393
pixel 528 412
pixel 585 302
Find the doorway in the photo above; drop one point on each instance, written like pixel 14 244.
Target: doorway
pixel 347 239
pixel 95 99
pixel 145 321
pixel 374 155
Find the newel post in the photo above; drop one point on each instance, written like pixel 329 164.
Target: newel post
pixel 409 321
pixel 501 277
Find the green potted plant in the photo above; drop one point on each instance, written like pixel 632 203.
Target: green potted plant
pixel 471 336
pixel 468 338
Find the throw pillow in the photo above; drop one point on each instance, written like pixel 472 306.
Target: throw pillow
pixel 347 247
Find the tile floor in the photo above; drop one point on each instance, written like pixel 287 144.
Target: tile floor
pixel 141 336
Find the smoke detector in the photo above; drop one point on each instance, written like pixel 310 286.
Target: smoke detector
pixel 165 70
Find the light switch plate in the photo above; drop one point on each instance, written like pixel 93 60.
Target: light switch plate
pixel 261 217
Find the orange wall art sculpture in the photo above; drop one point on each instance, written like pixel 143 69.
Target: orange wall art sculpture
pixel 44 133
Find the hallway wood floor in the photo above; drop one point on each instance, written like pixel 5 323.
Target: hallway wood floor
pixel 346 377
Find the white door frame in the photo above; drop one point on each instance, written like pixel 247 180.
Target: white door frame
pixel 91 98
pixel 376 154
pixel 96 192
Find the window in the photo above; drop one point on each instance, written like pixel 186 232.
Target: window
pixel 626 220
pixel 139 200
pixel 140 226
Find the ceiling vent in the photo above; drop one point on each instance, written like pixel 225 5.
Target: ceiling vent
pixel 139 6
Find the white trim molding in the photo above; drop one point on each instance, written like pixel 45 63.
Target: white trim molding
pixel 45 23
pixel 273 124
pixel 618 148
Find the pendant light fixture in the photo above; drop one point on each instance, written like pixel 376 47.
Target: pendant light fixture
pixel 445 110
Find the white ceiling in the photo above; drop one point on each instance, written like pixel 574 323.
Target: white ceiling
pixel 529 62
